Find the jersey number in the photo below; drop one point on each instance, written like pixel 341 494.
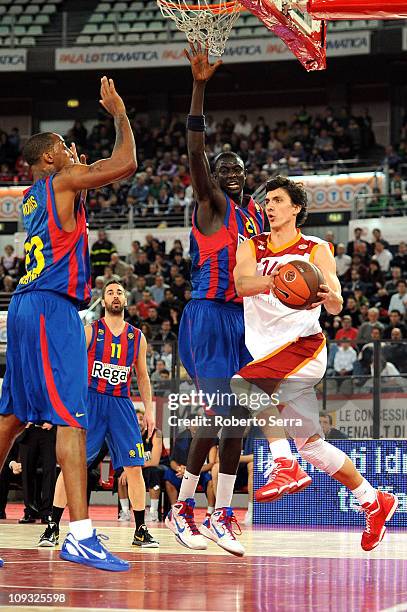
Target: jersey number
pixel 140 449
pixel 250 226
pixel 116 350
pixel 268 266
pixel 33 253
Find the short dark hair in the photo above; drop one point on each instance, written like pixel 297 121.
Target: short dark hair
pixel 36 146
pixel 225 155
pixel 297 193
pixel 326 414
pixel 111 282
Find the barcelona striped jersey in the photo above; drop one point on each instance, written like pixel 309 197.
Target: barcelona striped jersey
pixel 213 258
pixel 111 359
pixel 55 260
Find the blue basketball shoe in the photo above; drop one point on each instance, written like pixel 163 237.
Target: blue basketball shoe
pixel 91 552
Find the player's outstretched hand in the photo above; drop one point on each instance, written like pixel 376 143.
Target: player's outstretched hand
pixel 202 69
pixel 149 423
pixel 325 295
pixel 110 99
pixel 79 159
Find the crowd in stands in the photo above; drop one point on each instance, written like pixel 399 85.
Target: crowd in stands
pixel 161 188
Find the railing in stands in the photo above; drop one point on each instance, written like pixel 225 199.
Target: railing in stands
pixel 379 205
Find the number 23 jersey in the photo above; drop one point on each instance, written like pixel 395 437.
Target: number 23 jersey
pixel 55 260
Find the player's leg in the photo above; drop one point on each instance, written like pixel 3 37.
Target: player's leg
pixel 55 329
pixel 46 441
pixel 125 444
pixel 379 506
pixel 153 477
pixel 50 536
pixel 123 495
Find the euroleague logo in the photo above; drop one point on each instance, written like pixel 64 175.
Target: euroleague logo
pixel 290 276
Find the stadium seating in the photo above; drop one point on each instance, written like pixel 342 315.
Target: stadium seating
pixel 22 21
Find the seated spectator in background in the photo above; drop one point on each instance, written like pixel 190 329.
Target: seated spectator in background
pixel 396 275
pixel 394 321
pixel 243 127
pixel 375 276
pixel 119 267
pixel 10 261
pixel 151 276
pixel 95 294
pixel 176 248
pixel 108 275
pixel 165 334
pixel 354 283
pixel 132 257
pixel 398 300
pixel 100 253
pixel 351 309
pixel 365 332
pixel 178 287
pixel 343 261
pixel 160 366
pixel 136 294
pixel 400 258
pixel 382 255
pixel 344 359
pixel 169 301
pixel 175 317
pixel 182 264
pixel 153 320
pixel 132 316
pixel 330 237
pixel 381 300
pixel 139 189
pixel 178 460
pixel 377 235
pixel 146 329
pixel 162 386
pixel 330 433
pixel 142 266
pixel 144 305
pixel 353 245
pixel 396 350
pixel 129 279
pixel 166 355
pixel 362 302
pixel 153 472
pixel 158 288
pixel 347 331
pixel 152 357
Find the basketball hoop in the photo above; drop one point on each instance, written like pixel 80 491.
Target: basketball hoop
pixel 209 24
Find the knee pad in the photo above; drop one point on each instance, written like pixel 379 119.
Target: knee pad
pixel 323 456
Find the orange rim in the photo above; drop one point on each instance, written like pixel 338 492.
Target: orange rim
pixel 226 7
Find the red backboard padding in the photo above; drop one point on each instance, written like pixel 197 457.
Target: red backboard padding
pixel 357 9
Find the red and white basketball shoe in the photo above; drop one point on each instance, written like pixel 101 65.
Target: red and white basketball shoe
pixel 286 476
pixel 377 514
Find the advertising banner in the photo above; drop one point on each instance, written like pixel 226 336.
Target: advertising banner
pixel 13 60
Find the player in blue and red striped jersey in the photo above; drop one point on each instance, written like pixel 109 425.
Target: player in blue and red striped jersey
pixel 115 348
pixel 211 336
pixel 46 375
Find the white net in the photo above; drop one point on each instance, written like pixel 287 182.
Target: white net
pixel 209 24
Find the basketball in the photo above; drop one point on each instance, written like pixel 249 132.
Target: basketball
pixel 297 284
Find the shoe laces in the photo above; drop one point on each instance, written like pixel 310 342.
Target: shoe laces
pixel 272 470
pixel 100 537
pixel 188 516
pixel 229 521
pixel 49 530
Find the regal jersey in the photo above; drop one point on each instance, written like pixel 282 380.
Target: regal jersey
pixel 269 324
pixel 111 359
pixel 55 260
pixel 213 258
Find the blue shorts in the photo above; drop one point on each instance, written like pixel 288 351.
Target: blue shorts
pixel 171 476
pixel 114 419
pixel 212 345
pixel 46 366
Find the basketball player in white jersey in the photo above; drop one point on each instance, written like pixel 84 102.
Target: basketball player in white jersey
pixel 289 349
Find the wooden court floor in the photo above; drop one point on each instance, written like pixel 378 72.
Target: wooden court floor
pixel 284 569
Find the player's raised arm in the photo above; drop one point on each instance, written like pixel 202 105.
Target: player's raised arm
pixel 330 295
pixel 206 191
pixel 246 281
pixel 120 164
pixel 144 386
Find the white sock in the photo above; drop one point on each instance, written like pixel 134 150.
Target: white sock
pixel 188 486
pixel 224 492
pixel 365 493
pixel 210 509
pixel 124 504
pixel 280 448
pixel 250 507
pixel 154 505
pixel 81 530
